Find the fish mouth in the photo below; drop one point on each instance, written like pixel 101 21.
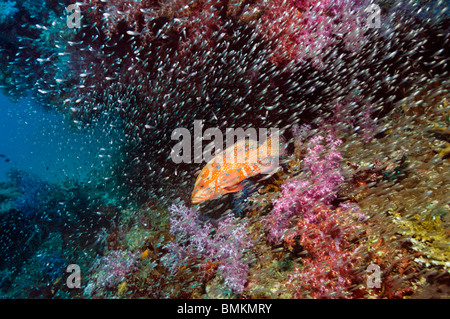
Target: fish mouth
pixel 199 199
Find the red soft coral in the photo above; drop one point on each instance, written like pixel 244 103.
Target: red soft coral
pixel 307 30
pixel 328 269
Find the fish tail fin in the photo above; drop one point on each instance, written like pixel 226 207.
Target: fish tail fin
pixel 275 145
pixel 270 152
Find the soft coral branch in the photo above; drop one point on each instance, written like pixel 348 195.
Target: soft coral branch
pixel 329 268
pixel 321 180
pixel 195 239
pixel 305 30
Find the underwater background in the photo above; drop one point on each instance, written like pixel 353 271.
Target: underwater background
pixel 92 91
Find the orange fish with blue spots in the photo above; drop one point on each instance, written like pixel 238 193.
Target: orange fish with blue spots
pixel 224 173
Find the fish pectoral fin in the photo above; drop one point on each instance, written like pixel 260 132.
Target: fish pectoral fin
pixel 234 188
pixel 230 180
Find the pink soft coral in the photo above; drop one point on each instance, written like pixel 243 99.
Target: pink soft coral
pixel 195 239
pixel 328 269
pixel 321 180
pixel 307 30
pixel 305 219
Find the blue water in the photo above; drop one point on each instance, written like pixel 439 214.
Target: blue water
pixel 45 144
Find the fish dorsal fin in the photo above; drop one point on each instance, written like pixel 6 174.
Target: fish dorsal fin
pixel 239 150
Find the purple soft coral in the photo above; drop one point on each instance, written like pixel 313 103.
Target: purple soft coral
pixel 322 170
pixel 196 239
pixel 231 241
pixel 115 267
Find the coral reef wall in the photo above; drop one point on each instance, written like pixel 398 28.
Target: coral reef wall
pixel 229 63
pixel 359 90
